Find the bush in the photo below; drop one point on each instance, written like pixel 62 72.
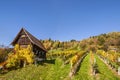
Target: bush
pixel 20 57
pixel 3 54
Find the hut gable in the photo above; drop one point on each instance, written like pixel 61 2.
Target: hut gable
pixel 24 38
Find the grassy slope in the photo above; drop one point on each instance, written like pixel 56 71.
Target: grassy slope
pixel 104 72
pixel 58 71
pixel 41 72
pixel 84 71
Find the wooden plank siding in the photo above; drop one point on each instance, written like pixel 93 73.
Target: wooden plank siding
pixel 24 38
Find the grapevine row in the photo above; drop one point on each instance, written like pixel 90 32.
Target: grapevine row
pixel 110 58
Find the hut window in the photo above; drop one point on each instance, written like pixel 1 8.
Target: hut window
pixel 37 52
pixel 42 53
pixel 23 35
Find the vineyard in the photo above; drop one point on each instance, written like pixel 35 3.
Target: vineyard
pixel 90 59
pixel 59 70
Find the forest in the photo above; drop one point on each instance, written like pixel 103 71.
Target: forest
pixel 104 42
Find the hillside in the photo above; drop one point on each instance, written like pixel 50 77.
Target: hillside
pixel 102 41
pixel 58 71
pixel 95 58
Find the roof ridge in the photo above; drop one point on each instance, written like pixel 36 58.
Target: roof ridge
pixel 33 39
pixel 27 34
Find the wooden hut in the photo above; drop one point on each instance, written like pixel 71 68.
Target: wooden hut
pixel 24 38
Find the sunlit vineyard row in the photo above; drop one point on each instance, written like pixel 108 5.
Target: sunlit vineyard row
pixel 110 57
pixel 68 56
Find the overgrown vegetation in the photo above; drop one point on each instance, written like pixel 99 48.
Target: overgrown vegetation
pixel 20 57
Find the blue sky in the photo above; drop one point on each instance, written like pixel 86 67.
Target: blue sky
pixel 58 19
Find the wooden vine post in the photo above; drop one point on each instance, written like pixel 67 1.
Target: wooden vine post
pixel 93 63
pixel 118 67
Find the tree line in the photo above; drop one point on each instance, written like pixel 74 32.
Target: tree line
pixel 106 42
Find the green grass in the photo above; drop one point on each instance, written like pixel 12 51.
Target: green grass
pixel 58 71
pixel 104 72
pixel 84 71
pixel 47 71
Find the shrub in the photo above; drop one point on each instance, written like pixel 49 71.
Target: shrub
pixel 20 57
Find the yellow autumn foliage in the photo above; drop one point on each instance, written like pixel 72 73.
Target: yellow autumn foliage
pixel 24 54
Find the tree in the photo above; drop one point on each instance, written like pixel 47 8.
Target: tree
pixel 20 57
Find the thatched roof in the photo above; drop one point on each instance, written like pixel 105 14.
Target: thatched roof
pixel 32 39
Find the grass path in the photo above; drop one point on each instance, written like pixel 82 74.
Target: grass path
pixel 84 71
pixel 58 71
pixel 104 72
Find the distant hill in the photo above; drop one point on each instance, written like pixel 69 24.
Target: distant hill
pixel 104 41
